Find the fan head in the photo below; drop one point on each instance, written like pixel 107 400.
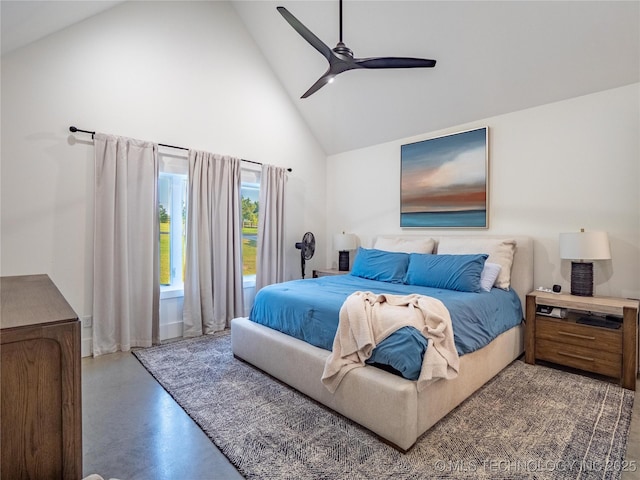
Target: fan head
pixel 309 243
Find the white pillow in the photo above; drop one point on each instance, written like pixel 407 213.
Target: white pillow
pixel 405 245
pixel 489 275
pixel 500 251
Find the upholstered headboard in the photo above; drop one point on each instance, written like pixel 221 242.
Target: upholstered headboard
pixel 521 269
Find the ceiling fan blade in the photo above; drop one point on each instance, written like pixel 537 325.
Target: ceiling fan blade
pixel 341 58
pixel 394 62
pixel 305 33
pixel 321 82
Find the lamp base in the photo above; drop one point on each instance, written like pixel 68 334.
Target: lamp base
pixel 582 279
pixel 343 260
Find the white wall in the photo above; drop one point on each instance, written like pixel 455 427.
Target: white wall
pixel 181 73
pixel 554 168
pixel 188 74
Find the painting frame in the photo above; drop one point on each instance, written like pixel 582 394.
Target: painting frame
pixel 444 181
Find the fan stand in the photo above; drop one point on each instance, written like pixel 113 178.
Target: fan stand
pixel 300 245
pixel 302 262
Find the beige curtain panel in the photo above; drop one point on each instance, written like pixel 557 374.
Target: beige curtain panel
pixel 270 257
pixel 213 278
pixel 126 289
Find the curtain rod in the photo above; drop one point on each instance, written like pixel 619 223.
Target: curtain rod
pixel 75 129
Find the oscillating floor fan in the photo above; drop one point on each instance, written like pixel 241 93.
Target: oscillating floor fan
pixel 307 248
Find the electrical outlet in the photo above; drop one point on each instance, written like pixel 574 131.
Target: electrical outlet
pixel 87 322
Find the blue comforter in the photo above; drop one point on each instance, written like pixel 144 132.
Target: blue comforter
pixel 309 310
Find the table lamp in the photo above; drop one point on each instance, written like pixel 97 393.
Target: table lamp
pixel 580 247
pixel 343 242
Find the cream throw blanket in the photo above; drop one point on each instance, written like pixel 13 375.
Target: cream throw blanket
pixel 367 318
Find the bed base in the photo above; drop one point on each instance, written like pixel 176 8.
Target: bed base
pixel 388 405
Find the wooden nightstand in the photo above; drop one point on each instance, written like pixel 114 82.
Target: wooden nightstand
pixel 327 272
pixel 606 351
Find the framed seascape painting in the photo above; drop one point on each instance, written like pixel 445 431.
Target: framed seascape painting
pixel 444 181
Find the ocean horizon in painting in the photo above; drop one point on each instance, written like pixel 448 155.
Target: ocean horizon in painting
pixel 469 218
pixel 444 181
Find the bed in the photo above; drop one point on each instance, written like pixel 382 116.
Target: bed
pixel 387 404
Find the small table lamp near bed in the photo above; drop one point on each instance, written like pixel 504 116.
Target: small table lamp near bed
pixel 581 246
pixel 343 242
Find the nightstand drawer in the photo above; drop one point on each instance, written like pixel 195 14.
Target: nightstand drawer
pixel 571 333
pixel 585 358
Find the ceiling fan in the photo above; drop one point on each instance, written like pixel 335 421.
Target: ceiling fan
pixel 341 57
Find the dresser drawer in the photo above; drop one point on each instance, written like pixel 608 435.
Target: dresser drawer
pixel 585 358
pixel 566 332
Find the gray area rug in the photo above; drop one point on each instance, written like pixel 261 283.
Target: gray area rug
pixel 528 422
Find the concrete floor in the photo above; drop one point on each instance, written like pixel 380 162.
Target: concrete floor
pixel 134 430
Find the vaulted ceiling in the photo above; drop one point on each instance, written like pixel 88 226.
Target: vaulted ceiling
pixel 493 57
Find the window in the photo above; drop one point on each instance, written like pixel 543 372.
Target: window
pixel 172 214
pixel 250 194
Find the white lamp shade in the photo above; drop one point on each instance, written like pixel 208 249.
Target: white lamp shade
pixel 585 246
pixel 344 241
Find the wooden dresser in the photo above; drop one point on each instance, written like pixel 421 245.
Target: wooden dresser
pixel 40 383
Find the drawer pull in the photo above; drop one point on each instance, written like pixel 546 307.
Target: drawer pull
pixel 579 357
pixel 584 337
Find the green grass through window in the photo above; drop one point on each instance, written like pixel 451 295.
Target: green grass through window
pixel 249 250
pixel 165 254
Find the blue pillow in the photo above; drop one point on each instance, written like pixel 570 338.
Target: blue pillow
pixel 451 272
pixel 380 265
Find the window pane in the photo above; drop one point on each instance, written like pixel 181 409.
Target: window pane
pixel 164 207
pixel 172 211
pixel 185 186
pixel 250 193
